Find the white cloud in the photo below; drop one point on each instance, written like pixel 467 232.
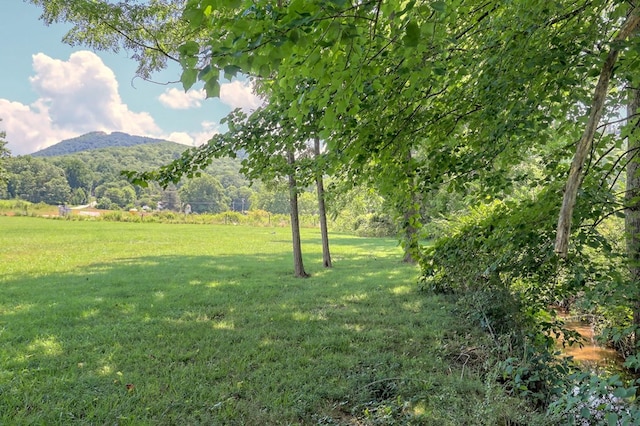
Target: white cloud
pixel 29 128
pixel 74 97
pixel 179 99
pixel 209 129
pixel 238 94
pixel 81 95
pixel 180 137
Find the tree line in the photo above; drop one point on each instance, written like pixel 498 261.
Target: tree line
pixel 95 176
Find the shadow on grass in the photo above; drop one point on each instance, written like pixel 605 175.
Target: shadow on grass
pixel 212 340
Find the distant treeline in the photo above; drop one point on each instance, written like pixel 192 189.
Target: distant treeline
pixel 94 176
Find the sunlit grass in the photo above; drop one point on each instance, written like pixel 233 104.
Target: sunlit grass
pixel 125 323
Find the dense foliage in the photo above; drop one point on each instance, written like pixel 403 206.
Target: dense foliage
pixel 95 174
pixel 94 140
pixel 4 153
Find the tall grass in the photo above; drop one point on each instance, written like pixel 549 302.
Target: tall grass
pixel 25 208
pixel 147 323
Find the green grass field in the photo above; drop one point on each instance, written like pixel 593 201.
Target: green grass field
pixel 134 323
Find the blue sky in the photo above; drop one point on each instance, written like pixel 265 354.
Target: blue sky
pixel 50 91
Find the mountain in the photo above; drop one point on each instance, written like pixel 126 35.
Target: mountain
pixel 95 140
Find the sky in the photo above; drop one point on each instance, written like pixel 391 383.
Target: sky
pixel 50 91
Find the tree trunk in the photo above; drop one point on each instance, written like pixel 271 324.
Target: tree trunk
pixel 322 211
pixel 632 206
pixel 584 145
pixel 298 266
pixel 410 235
pixel 409 214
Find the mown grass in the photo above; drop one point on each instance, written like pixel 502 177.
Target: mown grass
pixel 126 323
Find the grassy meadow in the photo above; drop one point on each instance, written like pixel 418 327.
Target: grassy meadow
pixel 159 324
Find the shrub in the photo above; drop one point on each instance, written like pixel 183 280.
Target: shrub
pixel 374 225
pixel 590 399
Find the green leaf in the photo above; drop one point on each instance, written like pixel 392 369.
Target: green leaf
pixel 231 71
pixel 188 78
pixel 202 75
pixel 212 87
pixel 439 6
pixel 412 35
pixel 429 28
pixel 611 418
pixel 189 48
pixel 294 35
pixel 193 16
pixel 140 182
pixel 584 412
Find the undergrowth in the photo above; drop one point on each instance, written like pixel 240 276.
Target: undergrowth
pixel 497 261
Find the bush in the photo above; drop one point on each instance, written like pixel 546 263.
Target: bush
pixel 499 259
pixel 232 217
pixel 590 399
pixel 539 375
pixel 374 225
pixel 259 217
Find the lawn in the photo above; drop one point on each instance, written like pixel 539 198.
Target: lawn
pixel 158 324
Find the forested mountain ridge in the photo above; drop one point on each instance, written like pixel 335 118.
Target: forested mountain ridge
pixel 94 140
pixel 118 158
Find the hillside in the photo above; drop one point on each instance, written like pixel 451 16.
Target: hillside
pixel 95 140
pixel 116 158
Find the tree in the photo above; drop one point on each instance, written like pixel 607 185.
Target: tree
pixel 204 194
pixel 121 193
pixel 170 199
pixel 298 265
pixel 35 180
pixel 240 198
pixel 77 172
pixel 410 211
pixel 322 210
pixel 632 211
pixel 4 153
pixel 272 144
pixel 151 31
pixel 272 198
pixel 583 148
pixel 79 196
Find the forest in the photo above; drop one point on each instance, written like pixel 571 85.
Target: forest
pixel 503 137
pixel 95 175
pixel 88 169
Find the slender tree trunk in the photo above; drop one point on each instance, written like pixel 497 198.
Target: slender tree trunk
pixel 298 266
pixel 410 235
pixel 632 203
pixel 586 141
pixel 322 211
pixel 409 214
